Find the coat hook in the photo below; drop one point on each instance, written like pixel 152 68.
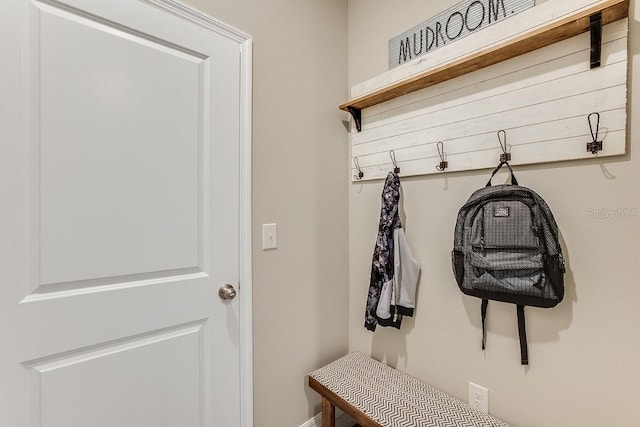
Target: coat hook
pixel 443 163
pixel 595 145
pixel 502 139
pixel 360 174
pixel 392 154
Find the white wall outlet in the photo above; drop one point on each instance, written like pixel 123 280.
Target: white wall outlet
pixel 479 397
pixel 269 236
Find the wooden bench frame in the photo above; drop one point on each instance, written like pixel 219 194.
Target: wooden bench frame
pixel 329 402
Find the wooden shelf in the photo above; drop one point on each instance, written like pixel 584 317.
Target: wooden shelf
pixel 568 26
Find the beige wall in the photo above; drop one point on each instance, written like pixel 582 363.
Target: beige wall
pixel 585 362
pixel 585 353
pixel 299 168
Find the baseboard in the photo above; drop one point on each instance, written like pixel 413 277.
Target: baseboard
pixel 313 422
pixel 342 420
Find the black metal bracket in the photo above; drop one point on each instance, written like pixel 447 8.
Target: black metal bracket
pixel 356 113
pixel 595 25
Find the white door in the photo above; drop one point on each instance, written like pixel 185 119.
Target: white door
pixel 120 133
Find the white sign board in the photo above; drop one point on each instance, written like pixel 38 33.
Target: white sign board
pixel 451 25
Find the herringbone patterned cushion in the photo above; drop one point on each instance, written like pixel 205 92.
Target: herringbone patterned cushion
pixel 394 399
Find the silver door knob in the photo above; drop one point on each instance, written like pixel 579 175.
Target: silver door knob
pixel 227 292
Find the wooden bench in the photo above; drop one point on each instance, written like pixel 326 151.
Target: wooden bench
pixel 375 395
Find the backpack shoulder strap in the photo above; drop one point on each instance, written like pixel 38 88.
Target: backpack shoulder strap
pixel 524 352
pixel 483 310
pixel 522 333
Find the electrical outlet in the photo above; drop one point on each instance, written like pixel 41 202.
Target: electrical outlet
pixel 479 397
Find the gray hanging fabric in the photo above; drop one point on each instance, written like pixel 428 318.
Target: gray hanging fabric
pixel 394 271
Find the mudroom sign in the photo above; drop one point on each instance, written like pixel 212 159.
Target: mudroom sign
pixel 452 24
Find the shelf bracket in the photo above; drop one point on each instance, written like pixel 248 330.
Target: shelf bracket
pixel 595 26
pixel 356 113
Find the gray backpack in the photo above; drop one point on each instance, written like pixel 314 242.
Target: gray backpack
pixel 506 249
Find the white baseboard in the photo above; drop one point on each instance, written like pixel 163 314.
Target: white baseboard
pixel 342 420
pixel 313 422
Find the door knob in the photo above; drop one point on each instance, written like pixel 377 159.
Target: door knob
pixel 227 292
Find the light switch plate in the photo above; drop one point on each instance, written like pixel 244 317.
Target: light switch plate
pixel 269 236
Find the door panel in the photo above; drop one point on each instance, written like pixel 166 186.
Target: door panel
pixel 120 137
pixel 120 217
pixel 89 386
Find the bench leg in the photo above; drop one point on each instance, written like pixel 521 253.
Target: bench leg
pixel 328 413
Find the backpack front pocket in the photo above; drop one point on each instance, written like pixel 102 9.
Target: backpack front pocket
pixel 506 254
pixel 506 224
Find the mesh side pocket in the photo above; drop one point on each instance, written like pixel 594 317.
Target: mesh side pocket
pixel 554 270
pixel 457 262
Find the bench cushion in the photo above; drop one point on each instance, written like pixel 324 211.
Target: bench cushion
pixel 394 399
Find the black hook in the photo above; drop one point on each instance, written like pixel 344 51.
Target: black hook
pixel 360 174
pixel 392 154
pixel 595 145
pixel 443 163
pixel 504 157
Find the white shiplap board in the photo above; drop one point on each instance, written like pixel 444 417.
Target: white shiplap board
pixel 541 100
